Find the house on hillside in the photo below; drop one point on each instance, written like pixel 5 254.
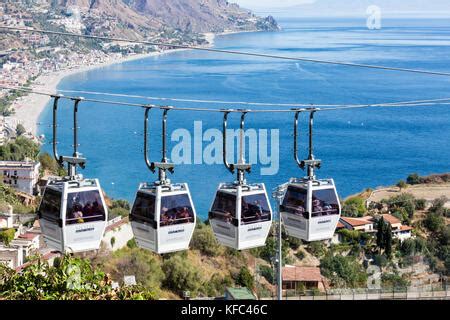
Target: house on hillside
pixel 117 233
pixel 21 175
pixel 297 278
pixel 364 224
pixel 399 231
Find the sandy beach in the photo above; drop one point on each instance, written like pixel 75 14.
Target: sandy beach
pixel 29 108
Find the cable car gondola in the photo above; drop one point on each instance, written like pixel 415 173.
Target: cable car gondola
pixel 240 215
pixel 163 215
pixel 310 208
pixel 72 212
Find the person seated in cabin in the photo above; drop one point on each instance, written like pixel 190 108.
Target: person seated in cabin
pixel 88 210
pixel 184 215
pixel 165 219
pixel 77 214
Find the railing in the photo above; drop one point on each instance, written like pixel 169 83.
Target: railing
pixel 433 293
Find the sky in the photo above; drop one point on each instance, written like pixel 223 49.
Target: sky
pixel 301 8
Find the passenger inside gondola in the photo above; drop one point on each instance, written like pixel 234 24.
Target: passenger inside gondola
pixel 255 209
pixel 84 207
pixel 176 209
pixel 324 203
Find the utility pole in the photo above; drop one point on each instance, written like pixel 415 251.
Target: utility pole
pixel 278 194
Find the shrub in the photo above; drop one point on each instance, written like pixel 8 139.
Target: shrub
pixel 434 222
pixel 380 260
pixel 69 279
pixel 268 273
pixel 245 278
pixel 118 212
pixel 420 204
pixel 413 178
pixel 393 280
pixel 403 201
pixel 144 265
pixel 205 241
pixel 354 207
pixel 216 285
pixel 7 235
pixel 180 275
pixel 401 185
pixel 350 235
pixel 113 242
pixel 122 204
pixel 300 255
pixel 317 248
pixel 19 149
pixel 132 243
pixel 343 271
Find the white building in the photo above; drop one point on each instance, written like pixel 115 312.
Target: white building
pixel 11 257
pixel 21 175
pixel 399 231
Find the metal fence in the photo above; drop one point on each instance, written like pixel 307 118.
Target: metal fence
pixel 413 293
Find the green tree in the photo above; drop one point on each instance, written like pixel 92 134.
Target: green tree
pixel 7 235
pixel 268 273
pixel 19 149
pixel 388 241
pixel 380 233
pixel 144 265
pixel 354 207
pixel 413 178
pixel 402 185
pixel 69 279
pixel 205 241
pixel 434 221
pixel 343 271
pixel 245 278
pixel 180 275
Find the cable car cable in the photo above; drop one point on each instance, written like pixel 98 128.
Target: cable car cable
pixel 242 53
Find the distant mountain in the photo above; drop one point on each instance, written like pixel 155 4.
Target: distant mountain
pixel 191 16
pixel 336 8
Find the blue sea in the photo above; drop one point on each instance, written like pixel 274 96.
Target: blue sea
pixel 359 148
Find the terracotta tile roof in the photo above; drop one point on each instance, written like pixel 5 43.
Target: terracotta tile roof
pixel 405 228
pixel 117 224
pixel 306 274
pixel 356 222
pixel 390 219
pixel 340 225
pixel 29 236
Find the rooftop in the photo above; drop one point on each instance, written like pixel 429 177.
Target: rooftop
pixel 241 294
pixel 390 219
pixel 305 274
pixel 357 222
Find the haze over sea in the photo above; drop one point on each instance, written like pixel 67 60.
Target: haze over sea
pixel 359 148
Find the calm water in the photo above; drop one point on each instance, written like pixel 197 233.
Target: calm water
pixel 359 149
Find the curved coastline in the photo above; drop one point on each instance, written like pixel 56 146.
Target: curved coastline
pixel 30 108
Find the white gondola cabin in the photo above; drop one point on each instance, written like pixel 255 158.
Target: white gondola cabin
pixel 163 217
pixel 310 209
pixel 73 215
pixel 241 216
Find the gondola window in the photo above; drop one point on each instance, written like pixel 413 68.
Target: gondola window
pixel 224 207
pixel 176 209
pixel 84 207
pixel 254 208
pixel 295 202
pixel 324 203
pixel 51 205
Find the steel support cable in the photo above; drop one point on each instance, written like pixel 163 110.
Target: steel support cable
pixel 242 53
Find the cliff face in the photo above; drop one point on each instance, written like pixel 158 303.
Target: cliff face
pixel 193 16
